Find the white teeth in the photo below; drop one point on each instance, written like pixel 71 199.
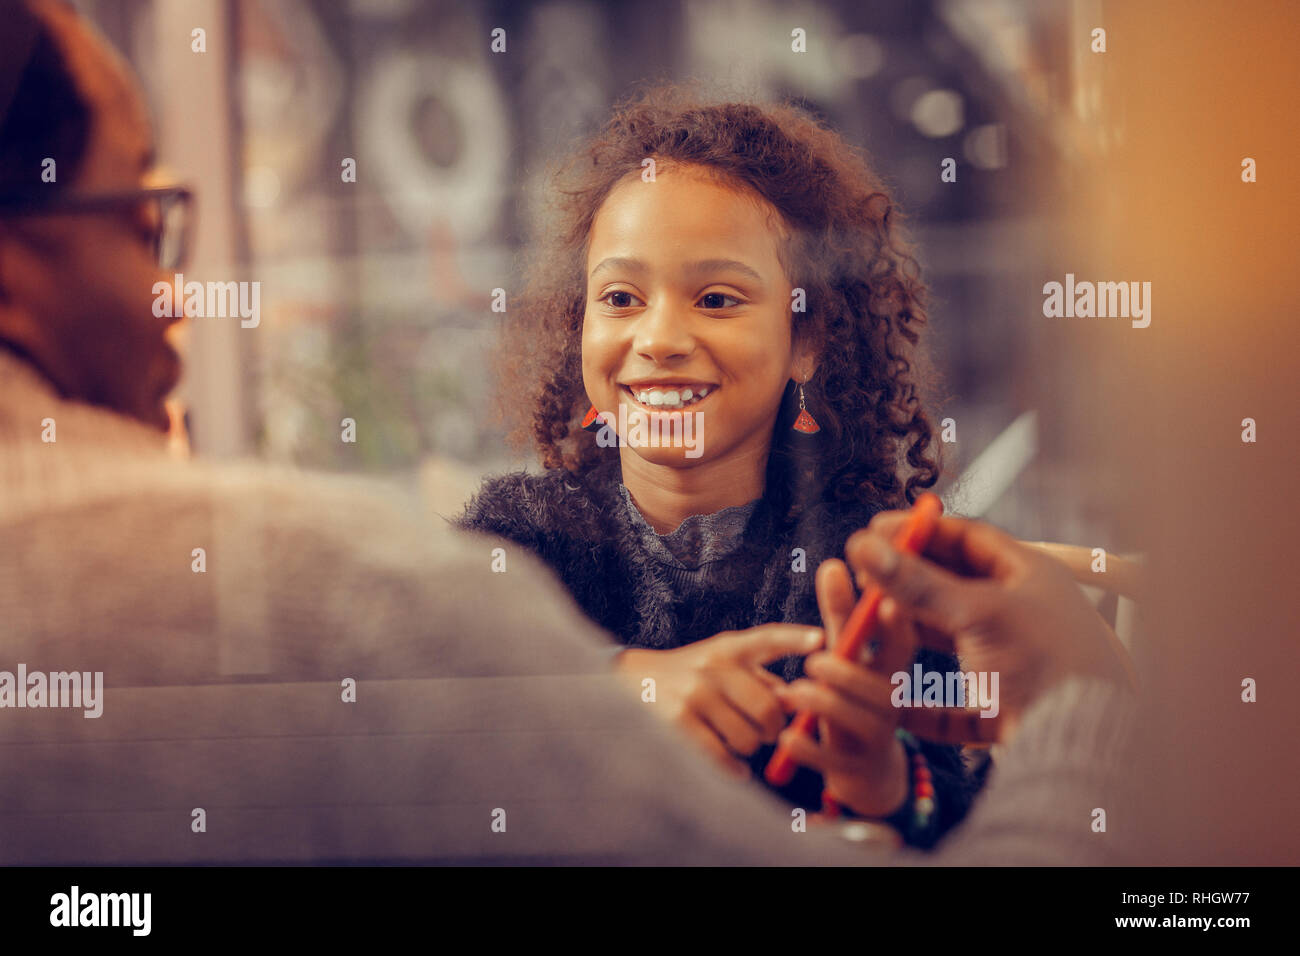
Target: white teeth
pixel 669 398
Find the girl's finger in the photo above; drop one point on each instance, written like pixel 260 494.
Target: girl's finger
pixel 753 699
pixel 803 750
pixel 808 753
pixel 842 712
pixel 897 640
pixel 835 597
pixel 714 747
pixel 757 646
pixel 867 687
pixel 740 736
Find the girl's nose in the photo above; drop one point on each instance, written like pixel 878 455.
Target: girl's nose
pixel 663 334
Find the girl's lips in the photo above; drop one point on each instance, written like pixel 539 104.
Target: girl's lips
pixel 661 409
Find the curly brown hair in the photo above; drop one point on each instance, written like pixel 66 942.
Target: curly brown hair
pixel 843 246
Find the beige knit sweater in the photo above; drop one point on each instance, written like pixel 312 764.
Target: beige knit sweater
pixel 485 724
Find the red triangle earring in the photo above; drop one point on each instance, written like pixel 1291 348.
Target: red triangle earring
pixel 805 423
pixel 593 420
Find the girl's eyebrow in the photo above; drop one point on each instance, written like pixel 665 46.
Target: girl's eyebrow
pixel 691 268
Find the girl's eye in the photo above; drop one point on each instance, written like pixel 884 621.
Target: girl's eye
pixel 618 305
pixel 719 295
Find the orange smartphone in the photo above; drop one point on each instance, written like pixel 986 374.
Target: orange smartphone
pixel 911 539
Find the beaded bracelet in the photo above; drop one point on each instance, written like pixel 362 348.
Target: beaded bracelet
pixel 921 795
pixel 914 817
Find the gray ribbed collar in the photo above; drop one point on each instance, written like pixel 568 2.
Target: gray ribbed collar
pixel 698 540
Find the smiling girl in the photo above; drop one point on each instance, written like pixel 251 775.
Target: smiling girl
pixel 740 265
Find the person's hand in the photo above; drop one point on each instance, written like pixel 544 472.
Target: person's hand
pixel 717 689
pixel 862 763
pixel 999 605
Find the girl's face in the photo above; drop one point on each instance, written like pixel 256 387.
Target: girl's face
pixel 686 298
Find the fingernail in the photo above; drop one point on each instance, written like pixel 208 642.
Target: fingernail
pixel 813 638
pixel 880 556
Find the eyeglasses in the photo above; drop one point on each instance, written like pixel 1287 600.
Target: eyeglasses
pixel 170 219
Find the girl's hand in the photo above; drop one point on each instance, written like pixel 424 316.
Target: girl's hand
pixel 717 689
pixel 862 762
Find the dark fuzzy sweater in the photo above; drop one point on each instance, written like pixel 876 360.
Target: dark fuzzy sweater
pixel 581 527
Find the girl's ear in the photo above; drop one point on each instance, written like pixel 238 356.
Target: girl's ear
pixel 805 362
pixel 805 351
